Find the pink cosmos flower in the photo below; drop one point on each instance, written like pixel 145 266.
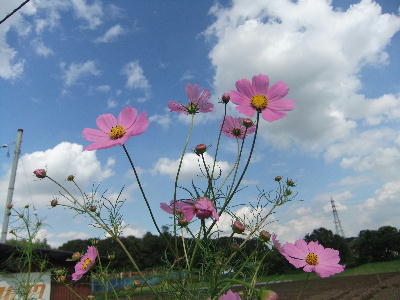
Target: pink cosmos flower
pixel 202 208
pixel 234 128
pixel 86 262
pixel 257 96
pixel 40 173
pixel 230 296
pixel 311 257
pixel 198 101
pixel 116 131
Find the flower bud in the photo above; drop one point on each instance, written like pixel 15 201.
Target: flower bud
pixel 235 246
pixel 137 283
pixel 290 182
pixel 26 206
pixel 9 205
pixel 288 192
pixel 111 256
pixel 248 123
pixel 92 208
pixel 90 297
pixel 59 272
pixel 200 149
pixel 70 177
pixel 278 178
pixel 61 278
pixel 237 227
pixel 267 295
pixel 76 256
pixel 265 235
pixel 182 221
pixel 225 98
pixel 40 173
pixel 54 202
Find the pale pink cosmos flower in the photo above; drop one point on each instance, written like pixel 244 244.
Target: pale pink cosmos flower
pixel 230 296
pixel 116 131
pixel 311 257
pixel 234 128
pixel 86 262
pixel 257 96
pixel 198 101
pixel 202 208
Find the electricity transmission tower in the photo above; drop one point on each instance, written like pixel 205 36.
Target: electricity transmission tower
pixel 336 220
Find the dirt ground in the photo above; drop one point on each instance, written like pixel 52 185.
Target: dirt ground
pixel 362 287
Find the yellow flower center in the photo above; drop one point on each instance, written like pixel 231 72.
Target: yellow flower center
pixel 117 132
pixel 192 108
pixel 86 263
pixel 312 259
pixel 259 102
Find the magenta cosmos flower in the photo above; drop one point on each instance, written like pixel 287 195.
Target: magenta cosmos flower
pixel 257 96
pixel 234 128
pixel 116 131
pixel 311 257
pixel 198 101
pixel 230 296
pixel 202 208
pixel 86 262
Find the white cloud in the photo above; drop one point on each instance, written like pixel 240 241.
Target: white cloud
pixel 135 76
pixel 111 103
pixel 111 34
pixel 190 166
pixel 92 14
pixel 163 120
pixel 62 160
pixel 41 49
pixel 75 71
pixel 319 51
pixel 103 88
pixel 187 75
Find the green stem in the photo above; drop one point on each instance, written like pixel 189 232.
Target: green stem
pixel 73 291
pixel 303 288
pixel 218 140
pixel 209 179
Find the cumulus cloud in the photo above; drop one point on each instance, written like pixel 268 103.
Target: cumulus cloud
pixel 163 120
pixel 41 49
pixel 111 34
pixel 75 71
pixel 91 13
pixel 319 51
pixel 135 76
pixel 190 166
pixel 62 160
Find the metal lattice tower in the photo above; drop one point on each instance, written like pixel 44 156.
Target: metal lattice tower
pixel 336 220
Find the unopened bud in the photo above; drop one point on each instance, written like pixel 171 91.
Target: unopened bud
pixel 59 272
pixel 61 278
pixel 290 182
pixel 182 221
pixel 137 283
pixel 76 256
pixel 70 177
pixel 247 123
pixel 54 202
pixel 267 295
pixel 235 247
pixel 26 206
pixel 265 235
pixel 111 256
pixel 225 98
pixel 9 205
pixel 288 192
pixel 40 173
pixel 278 178
pixel 200 149
pixel 237 227
pixel 92 208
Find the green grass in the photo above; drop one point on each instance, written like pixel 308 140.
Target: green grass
pixel 371 268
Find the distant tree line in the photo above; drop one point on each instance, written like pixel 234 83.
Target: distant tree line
pixel 150 250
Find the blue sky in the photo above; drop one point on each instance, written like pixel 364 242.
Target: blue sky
pixel 63 63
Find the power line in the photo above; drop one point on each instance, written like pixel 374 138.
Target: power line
pixel 14 11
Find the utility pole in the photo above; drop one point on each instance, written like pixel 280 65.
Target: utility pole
pixel 11 186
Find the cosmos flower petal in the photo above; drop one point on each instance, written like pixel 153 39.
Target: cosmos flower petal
pixel 127 117
pixel 260 84
pixel 238 98
pixel 271 115
pixel 192 92
pixel 94 135
pixel 244 87
pixel 246 109
pixel 177 107
pixel 106 122
pixel 308 268
pixel 325 270
pixel 140 125
pixel 98 145
pixel 277 91
pixel 230 296
pixel 283 104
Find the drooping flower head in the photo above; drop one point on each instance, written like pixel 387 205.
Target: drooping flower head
pixel 234 128
pixel 198 101
pixel 202 208
pixel 116 131
pixel 311 257
pixel 86 262
pixel 230 296
pixel 257 96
